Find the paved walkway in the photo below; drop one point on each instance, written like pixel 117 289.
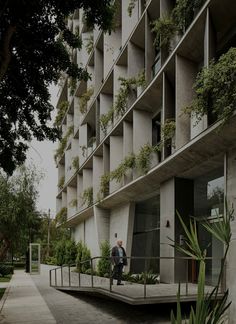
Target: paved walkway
pixel 24 303
pixel 30 299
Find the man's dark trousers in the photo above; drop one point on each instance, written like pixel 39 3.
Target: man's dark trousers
pixel 117 272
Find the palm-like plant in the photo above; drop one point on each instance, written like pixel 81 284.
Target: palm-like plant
pixel 206 311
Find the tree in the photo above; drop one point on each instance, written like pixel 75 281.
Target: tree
pixel 35 46
pixel 19 218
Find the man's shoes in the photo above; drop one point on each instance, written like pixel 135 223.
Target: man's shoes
pixel 120 284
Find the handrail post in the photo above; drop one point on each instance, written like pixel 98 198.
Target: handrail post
pixel 69 275
pixel 145 278
pixel 55 277
pixel 50 278
pixel 187 277
pixel 111 279
pixel 91 260
pixel 61 276
pixel 79 275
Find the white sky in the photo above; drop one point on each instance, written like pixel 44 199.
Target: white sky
pixel 41 155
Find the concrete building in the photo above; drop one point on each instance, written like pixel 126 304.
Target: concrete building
pixel 191 172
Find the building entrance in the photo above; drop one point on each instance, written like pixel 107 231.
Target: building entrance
pixel 146 235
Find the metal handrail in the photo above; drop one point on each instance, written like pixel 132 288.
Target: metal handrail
pixel 92 260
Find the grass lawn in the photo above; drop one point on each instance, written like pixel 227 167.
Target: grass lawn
pixel 6 278
pixel 1 292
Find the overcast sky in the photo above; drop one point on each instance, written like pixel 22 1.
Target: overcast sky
pixel 41 155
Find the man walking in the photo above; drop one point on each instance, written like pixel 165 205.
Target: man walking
pixel 119 260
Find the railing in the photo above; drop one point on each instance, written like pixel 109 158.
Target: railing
pixel 61 276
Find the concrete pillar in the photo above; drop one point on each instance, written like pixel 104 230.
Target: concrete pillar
pixel 128 147
pixel 128 23
pixel 112 44
pixel 186 72
pixel 106 102
pixel 102 225
pixel 71 195
pixel 83 140
pixel 116 156
pixel 79 191
pixel 98 69
pixel 97 173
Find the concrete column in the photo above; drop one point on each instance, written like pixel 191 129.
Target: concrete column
pixel 71 195
pixel 112 44
pixel 64 199
pixel 102 225
pixel 121 225
pixel 97 173
pixel 128 147
pixel 79 190
pixel 83 140
pixel 116 156
pixel 186 72
pixel 106 102
pixel 230 167
pixel 78 233
pixel 167 212
pixel 128 23
pixel 149 49
pixel 98 69
pixel 76 113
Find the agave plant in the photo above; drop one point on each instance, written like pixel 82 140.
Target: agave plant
pixel 209 308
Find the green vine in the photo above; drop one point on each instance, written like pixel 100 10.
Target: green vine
pixel 84 100
pixel 168 132
pixel 61 216
pixel 215 89
pixel 164 28
pixel 72 85
pixel 131 7
pixel 61 182
pixel 61 148
pixel 62 109
pixel 125 165
pixel 75 162
pixel 87 197
pixel 104 184
pixel 89 44
pixel 105 119
pixel 73 202
pixel 91 141
pixel 84 149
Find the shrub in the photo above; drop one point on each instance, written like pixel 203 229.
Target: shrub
pixel 151 278
pixel 51 260
pixel 87 197
pixel 104 263
pixel 60 250
pixel 5 270
pixel 70 252
pixel 83 254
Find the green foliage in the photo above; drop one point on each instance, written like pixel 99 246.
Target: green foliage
pixel 6 270
pixel 62 146
pixel 131 6
pixel 72 85
pixel 106 119
pixel 183 12
pixel 75 162
pixel 60 251
pixel 164 28
pixel 19 218
pixel 91 141
pixel 83 100
pixel 205 311
pixel 61 182
pixel 104 184
pixel 89 44
pixel 143 158
pixel 34 57
pixel 83 257
pixel 70 252
pixel 61 216
pixel 62 109
pixel 87 197
pixel 124 166
pixel 215 89
pixel 51 260
pixel 104 263
pixel 73 202
pixel 149 277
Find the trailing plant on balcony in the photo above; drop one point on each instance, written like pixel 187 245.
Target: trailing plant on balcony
pixel 83 101
pixel 105 119
pixel 73 202
pixel 131 7
pixel 75 162
pixel 168 132
pixel 89 44
pixel 104 184
pixel 62 109
pixel 91 141
pixel 84 149
pixel 183 13
pixel 72 85
pixel 209 308
pixel 61 216
pixel 126 86
pixel 127 164
pixel 63 143
pixel 143 158
pixel 87 197
pixel 61 182
pixel 164 29
pixel 215 89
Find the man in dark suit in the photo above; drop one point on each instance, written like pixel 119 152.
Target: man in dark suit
pixel 119 260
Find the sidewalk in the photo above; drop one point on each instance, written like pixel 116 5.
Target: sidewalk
pixel 23 303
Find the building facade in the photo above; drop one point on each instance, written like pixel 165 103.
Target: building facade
pixel 132 156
